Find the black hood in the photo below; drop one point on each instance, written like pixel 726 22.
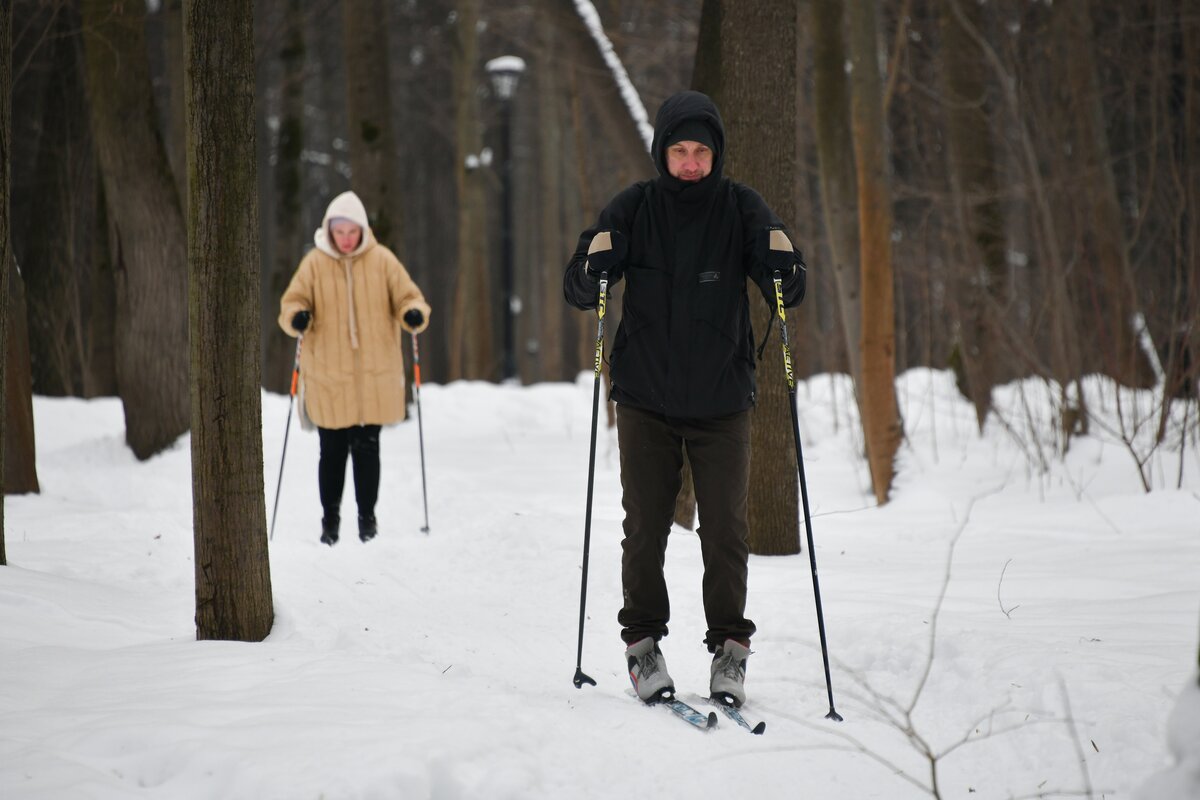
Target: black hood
pixel 676 109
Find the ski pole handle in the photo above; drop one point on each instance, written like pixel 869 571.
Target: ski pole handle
pixel 601 307
pixel 296 364
pixel 783 332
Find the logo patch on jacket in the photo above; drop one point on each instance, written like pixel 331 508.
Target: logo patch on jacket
pixel 709 277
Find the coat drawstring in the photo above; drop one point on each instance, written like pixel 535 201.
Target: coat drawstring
pixel 350 300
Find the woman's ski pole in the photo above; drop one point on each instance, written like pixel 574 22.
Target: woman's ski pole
pixel 287 429
pixel 580 678
pixel 812 553
pixel 420 429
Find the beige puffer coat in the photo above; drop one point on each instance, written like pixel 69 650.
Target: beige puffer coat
pixel 352 361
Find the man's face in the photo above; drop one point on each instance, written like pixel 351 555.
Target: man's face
pixel 689 161
pixel 346 235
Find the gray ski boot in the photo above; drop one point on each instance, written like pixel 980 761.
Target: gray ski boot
pixel 728 684
pixel 648 671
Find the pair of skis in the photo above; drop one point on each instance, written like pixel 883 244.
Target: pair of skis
pixel 699 719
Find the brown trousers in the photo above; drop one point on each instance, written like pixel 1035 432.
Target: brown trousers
pixel 651 473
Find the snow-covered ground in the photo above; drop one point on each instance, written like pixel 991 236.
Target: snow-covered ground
pixel 440 665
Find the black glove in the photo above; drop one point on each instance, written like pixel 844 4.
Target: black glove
pixel 300 321
pixel 413 318
pixel 606 253
pixel 775 252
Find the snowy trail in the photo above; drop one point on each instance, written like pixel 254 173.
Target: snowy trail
pixel 440 665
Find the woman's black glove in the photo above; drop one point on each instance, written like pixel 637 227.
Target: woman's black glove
pixel 300 321
pixel 413 318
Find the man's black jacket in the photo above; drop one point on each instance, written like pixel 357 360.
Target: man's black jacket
pixel 684 347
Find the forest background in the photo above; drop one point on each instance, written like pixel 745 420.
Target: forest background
pixel 1008 190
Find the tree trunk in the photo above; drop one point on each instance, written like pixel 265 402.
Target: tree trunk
pixel 975 192
pixel 472 353
pixel 1110 301
pixel 289 229
pixel 368 108
pixel 877 396
pixel 172 11
pixel 835 154
pixel 553 243
pixel 19 470
pixel 755 40
pixel 233 579
pixel 580 201
pixel 146 229
pixel 6 258
pixel 100 357
pixel 685 502
pixel 1185 378
pixel 18 467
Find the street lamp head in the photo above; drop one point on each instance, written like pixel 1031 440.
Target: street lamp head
pixel 505 72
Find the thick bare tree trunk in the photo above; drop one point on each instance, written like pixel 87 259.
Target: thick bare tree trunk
pixel 289 229
pixel 369 109
pixel 471 354
pixel 978 218
pixel 877 395
pixel 835 154
pixel 146 230
pixel 756 40
pixel 233 577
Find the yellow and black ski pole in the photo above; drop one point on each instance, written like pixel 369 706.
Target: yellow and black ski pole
pixel 812 553
pixel 580 678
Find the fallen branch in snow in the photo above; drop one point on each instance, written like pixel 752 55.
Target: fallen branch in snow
pixel 1007 611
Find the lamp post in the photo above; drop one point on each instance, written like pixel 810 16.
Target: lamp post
pixel 505 73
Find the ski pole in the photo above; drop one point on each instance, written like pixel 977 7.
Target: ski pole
pixel 420 429
pixel 812 553
pixel 580 678
pixel 287 429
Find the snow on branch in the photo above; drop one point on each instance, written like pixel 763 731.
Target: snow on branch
pixel 633 101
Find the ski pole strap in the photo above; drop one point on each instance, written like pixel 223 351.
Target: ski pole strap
pixel 763 344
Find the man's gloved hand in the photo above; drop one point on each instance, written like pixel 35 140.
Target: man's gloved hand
pixel 606 253
pixel 300 320
pixel 413 318
pixel 775 252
